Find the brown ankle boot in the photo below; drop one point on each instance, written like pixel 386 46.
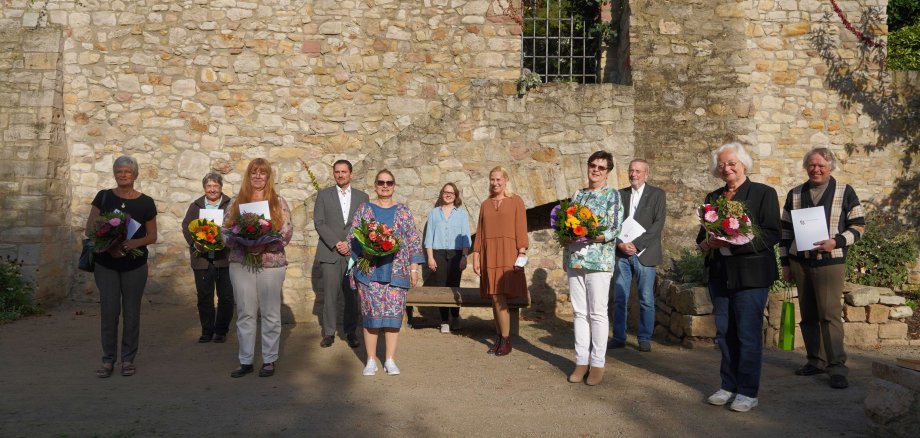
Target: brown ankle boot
pixel 504 346
pixel 579 374
pixel 595 376
pixel 498 341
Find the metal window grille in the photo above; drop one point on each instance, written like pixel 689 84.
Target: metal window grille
pixel 558 41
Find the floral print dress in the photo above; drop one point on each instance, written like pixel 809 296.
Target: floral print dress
pixel 384 287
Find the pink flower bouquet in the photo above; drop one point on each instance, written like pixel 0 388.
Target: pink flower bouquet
pixel 727 221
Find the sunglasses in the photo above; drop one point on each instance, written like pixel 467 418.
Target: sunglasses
pixel 382 183
pixel 595 166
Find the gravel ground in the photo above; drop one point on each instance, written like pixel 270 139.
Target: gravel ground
pixel 449 386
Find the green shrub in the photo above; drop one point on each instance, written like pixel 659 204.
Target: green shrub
pixel 902 13
pixel 881 256
pixel 904 48
pixel 688 266
pixel 15 292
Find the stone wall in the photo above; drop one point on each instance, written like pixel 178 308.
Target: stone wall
pixel 426 88
pixel 712 71
pixel 34 194
pixel 873 316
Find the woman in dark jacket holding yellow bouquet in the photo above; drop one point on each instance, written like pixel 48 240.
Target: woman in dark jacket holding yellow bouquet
pixel 211 268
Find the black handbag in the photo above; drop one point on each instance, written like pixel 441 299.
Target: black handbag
pixel 86 262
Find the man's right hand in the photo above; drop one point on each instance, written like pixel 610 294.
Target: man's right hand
pixel 433 265
pixel 627 248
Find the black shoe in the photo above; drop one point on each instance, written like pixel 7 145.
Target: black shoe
pixel 220 339
pixel 645 346
pixel 809 370
pixel 266 371
pixel 352 340
pixel 613 345
pixel 327 341
pixel 839 382
pixel 205 338
pixel 241 371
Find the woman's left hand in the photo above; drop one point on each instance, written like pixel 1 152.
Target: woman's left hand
pixel 414 274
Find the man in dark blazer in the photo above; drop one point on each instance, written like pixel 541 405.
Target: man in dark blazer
pixel 332 215
pixel 638 257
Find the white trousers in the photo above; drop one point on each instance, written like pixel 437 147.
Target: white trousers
pixel 589 292
pixel 257 293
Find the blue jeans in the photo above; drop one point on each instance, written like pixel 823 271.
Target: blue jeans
pixel 739 333
pixel 623 273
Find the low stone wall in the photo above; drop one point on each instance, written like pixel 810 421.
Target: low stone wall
pixel 873 316
pixel 893 403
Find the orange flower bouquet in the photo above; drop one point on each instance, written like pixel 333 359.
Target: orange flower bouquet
pixel 573 222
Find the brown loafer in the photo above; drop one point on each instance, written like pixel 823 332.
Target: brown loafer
pixel 268 370
pixel 578 375
pixel 595 376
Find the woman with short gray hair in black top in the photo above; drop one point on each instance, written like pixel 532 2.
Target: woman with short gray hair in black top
pixel 121 270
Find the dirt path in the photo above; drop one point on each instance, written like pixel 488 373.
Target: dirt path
pixel 449 386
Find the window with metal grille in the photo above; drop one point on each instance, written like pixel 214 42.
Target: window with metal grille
pixel 562 39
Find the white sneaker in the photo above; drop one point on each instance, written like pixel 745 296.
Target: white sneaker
pixel 390 367
pixel 445 328
pixel 720 398
pixel 743 403
pixel 371 368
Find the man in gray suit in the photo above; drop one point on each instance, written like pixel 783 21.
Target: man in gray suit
pixel 638 257
pixel 332 215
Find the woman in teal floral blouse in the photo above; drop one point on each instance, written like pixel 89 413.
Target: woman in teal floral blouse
pixel 590 267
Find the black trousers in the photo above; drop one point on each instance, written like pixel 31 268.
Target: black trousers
pixel 214 322
pixel 448 274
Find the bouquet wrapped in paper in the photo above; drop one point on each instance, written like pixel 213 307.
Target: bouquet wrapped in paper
pixel 573 222
pixel 206 234
pixel 111 230
pixel 252 230
pixel 376 240
pixel 727 220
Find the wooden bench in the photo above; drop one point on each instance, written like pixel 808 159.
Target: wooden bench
pixel 423 296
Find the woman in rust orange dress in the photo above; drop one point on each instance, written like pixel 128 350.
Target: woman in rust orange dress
pixel 500 253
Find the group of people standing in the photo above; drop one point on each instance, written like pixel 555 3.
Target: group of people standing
pixel 738 276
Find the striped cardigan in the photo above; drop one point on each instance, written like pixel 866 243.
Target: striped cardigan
pixel 845 217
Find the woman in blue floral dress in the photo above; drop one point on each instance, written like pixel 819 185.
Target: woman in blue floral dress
pixel 589 266
pixel 384 287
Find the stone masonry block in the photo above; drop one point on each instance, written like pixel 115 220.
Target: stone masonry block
pixel 892 330
pixel 854 314
pixel 892 300
pixel 877 314
pixel 900 312
pixel 700 326
pixel 860 334
pixel 693 301
pixel 862 297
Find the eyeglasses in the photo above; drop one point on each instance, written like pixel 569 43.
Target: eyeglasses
pixel 448 193
pixel 593 166
pixel 728 164
pixel 382 183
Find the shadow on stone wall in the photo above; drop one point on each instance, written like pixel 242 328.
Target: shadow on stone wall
pixel 890 99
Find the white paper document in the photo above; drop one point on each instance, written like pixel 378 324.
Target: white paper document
pixel 258 207
pixel 809 226
pixel 630 230
pixel 216 215
pixel 133 226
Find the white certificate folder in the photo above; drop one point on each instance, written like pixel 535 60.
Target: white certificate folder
pixel 810 226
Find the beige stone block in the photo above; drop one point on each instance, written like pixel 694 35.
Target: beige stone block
pixel 784 77
pixel 795 29
pixel 892 330
pixel 854 314
pixel 701 326
pixel 860 334
pixel 877 313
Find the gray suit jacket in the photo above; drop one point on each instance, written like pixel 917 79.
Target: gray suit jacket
pixel 650 213
pixel 327 218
